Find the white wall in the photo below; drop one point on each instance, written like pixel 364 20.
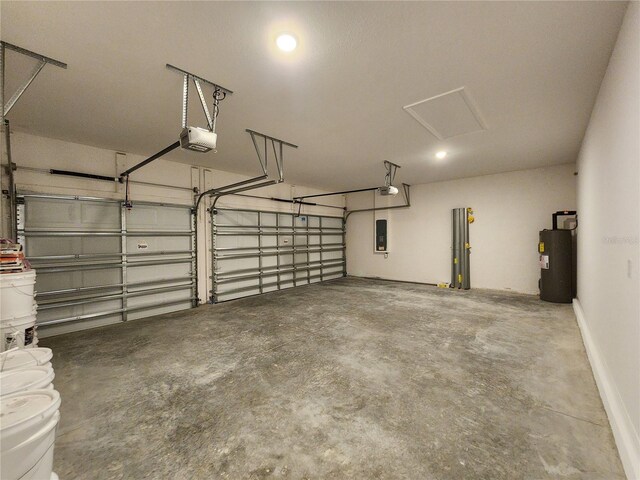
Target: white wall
pixel 40 153
pixel 608 305
pixel 510 209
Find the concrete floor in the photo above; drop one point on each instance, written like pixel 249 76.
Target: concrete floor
pixel 353 378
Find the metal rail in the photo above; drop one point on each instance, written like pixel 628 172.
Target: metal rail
pixel 153 157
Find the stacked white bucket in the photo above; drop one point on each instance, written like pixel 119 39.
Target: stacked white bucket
pixel 18 310
pixel 29 406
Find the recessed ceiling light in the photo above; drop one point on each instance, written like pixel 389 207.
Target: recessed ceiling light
pixel 286 42
pixel 441 154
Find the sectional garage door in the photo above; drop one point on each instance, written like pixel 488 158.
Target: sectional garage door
pixel 261 251
pixel 98 262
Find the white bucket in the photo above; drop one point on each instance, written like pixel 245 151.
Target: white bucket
pixel 16 293
pixel 25 358
pixel 18 332
pixel 32 378
pixel 27 434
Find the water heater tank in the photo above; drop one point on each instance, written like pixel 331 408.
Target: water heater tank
pixel 556 264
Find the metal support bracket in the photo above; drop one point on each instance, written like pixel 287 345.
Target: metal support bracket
pixel 277 146
pixel 219 92
pixel 391 172
pixel 43 60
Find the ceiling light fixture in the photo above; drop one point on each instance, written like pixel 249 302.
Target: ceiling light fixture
pixel 286 42
pixel 441 154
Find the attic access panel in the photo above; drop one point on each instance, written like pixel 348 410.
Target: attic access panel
pixel 448 115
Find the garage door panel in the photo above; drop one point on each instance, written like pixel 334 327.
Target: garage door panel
pixel 160 310
pixel 94 306
pixel 66 214
pixel 158 217
pixel 92 267
pixel 52 281
pixel 149 243
pixel 55 245
pixel 285 251
pixel 138 274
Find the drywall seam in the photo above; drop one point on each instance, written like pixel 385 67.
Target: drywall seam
pixel 626 438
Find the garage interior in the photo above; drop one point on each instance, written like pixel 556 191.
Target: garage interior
pixel 321 240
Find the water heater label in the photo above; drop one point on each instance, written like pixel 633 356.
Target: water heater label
pixel 544 262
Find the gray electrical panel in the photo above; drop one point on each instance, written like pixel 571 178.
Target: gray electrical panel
pixel 381 235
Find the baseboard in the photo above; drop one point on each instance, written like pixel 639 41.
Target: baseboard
pixel 626 438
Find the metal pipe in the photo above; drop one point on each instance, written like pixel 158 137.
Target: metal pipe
pixel 344 192
pixel 242 189
pixel 13 223
pixel 2 82
pixel 82 175
pixel 162 152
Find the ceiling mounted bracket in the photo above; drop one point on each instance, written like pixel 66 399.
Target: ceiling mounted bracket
pixel 219 93
pixel 43 60
pixel 391 172
pixel 278 151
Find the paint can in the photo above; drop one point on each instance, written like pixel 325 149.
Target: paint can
pixel 18 332
pixel 25 358
pixel 28 433
pixel 17 294
pixel 32 378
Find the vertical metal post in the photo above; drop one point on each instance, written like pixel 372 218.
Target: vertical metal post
pixel 466 274
pixel 214 262
pixel 293 245
pixel 344 247
pixel 123 246
pixel 308 259
pixel 2 64
pixel 185 100
pixel 278 250
pixel 321 251
pixel 194 260
pixel 260 272
pixel 455 249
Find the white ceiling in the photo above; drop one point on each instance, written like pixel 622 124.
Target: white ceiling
pixel 533 70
